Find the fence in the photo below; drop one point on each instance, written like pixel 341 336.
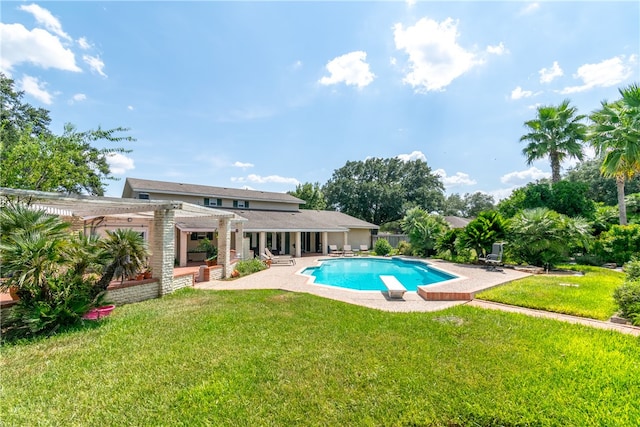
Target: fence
pixel 393 239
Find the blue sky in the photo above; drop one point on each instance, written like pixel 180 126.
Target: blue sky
pixel 266 95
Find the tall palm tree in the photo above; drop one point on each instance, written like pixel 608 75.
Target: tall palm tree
pixel 615 135
pixel 556 132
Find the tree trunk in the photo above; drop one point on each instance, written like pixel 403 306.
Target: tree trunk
pixel 621 205
pixel 106 278
pixel 555 167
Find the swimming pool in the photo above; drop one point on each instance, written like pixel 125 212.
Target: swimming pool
pixel 363 274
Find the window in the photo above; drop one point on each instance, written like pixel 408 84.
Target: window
pixel 143 196
pixel 241 204
pixel 212 202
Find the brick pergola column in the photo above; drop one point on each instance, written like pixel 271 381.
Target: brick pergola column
pixel 224 245
pixel 163 249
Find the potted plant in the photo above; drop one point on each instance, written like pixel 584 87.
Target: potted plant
pixel 211 251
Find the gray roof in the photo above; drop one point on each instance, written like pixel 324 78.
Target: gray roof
pixel 147 185
pixel 301 220
pixel 457 222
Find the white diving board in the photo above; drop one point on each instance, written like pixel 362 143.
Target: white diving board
pixel 394 287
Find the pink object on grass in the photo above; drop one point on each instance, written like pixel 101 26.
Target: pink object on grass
pixel 99 313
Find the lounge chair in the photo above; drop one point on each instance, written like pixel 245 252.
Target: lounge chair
pixel 364 249
pixel 279 259
pixel 494 259
pixel 347 251
pixel 333 251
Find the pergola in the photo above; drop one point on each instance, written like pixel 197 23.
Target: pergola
pixel 162 215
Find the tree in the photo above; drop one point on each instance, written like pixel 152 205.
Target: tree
pixel 615 135
pixel 454 205
pixel 488 228
pixel 476 203
pixel 557 132
pixel 424 230
pixel 600 188
pixel 381 190
pixel 33 158
pixel 311 194
pixel 543 237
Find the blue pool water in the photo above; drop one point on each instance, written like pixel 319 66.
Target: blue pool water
pixel 363 274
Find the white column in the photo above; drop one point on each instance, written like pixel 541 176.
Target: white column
pixel 239 239
pixel 298 244
pixel 346 238
pixel 325 243
pixel 182 258
pixel 283 239
pixel 262 243
pixel 224 244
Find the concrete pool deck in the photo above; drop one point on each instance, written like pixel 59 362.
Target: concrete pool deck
pixel 471 279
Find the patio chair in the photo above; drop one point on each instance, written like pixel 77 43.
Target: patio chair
pixel 347 251
pixel 333 251
pixel 494 259
pixel 364 249
pixel 279 259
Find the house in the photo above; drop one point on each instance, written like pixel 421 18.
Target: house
pixel 261 220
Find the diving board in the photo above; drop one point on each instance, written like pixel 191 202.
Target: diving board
pixel 394 287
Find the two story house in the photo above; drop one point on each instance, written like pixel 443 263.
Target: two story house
pixel 262 220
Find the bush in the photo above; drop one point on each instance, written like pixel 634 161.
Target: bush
pixel 620 243
pixel 404 248
pixel 627 297
pixel 588 259
pixel 382 247
pixel 632 269
pixel 246 267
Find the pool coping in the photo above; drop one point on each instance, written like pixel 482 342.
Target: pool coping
pixel 471 279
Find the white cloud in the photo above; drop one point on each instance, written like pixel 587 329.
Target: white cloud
pixel 243 165
pixel 38 47
pixel 119 164
pixel 350 68
pixel 78 97
pixel 297 65
pixel 435 57
pixel 530 8
pixel 521 177
pixel 459 179
pixel 518 93
pixel 130 107
pixel 46 19
pixel 266 179
pixel 34 87
pixel 411 3
pixel 497 50
pixel 83 43
pixel 548 74
pixel 415 155
pixel 501 193
pixel 95 63
pixel 607 73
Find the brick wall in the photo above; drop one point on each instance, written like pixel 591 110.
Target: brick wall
pixel 127 293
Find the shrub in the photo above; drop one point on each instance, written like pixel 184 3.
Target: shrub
pixel 404 248
pixel 627 297
pixel 246 267
pixel 589 259
pixel 382 247
pixel 620 243
pixel 632 269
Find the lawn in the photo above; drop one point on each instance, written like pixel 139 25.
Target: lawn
pixel 272 358
pixel 589 296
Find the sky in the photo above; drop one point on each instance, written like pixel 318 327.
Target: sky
pixel 268 95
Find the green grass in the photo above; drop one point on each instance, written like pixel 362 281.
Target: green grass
pixel 589 296
pixel 271 358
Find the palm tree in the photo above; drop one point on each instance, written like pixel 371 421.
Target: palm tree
pixel 557 133
pixel 615 135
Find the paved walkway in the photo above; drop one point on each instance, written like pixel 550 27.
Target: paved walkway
pixel 470 279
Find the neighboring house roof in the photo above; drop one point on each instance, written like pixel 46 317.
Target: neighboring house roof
pixel 457 222
pixel 282 221
pixel 152 186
